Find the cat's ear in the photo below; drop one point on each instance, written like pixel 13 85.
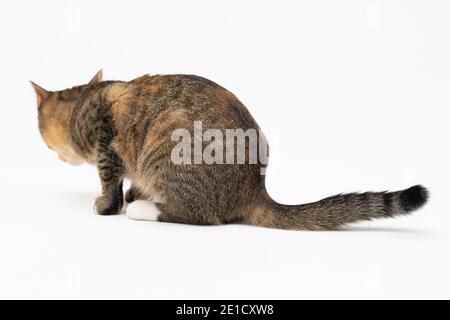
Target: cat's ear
pixel 41 93
pixel 97 78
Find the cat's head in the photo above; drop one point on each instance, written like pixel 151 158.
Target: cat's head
pixel 54 112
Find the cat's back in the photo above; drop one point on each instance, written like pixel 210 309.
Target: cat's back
pixel 201 98
pixel 192 83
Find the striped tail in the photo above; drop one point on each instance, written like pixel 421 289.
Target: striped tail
pixel 336 211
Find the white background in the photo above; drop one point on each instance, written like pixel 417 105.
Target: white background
pixel 353 96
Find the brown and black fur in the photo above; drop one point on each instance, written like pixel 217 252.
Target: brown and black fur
pixel 124 128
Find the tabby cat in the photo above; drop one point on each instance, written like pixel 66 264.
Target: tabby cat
pixel 126 130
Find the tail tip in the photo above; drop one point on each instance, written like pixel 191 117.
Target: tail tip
pixel 413 198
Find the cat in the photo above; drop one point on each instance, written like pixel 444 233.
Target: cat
pixel 126 130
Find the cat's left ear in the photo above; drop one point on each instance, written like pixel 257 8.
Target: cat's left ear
pixel 41 93
pixel 97 78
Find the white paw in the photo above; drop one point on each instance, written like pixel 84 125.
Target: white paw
pixel 143 210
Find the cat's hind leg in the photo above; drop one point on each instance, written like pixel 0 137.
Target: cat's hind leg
pixel 147 210
pixel 170 212
pixel 143 210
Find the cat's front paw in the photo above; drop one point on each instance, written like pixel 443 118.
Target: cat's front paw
pixel 105 206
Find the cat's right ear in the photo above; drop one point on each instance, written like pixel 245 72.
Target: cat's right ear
pixel 41 93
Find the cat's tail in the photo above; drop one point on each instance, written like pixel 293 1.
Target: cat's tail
pixel 333 212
